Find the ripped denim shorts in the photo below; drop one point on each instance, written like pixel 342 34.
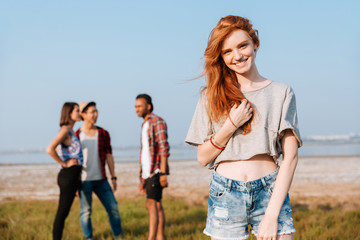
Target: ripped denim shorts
pixel 233 205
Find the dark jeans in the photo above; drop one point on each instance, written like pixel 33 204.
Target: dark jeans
pixel 69 182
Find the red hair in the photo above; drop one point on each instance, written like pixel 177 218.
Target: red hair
pixel 222 88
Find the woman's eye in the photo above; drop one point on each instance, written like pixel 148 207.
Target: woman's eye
pixel 243 45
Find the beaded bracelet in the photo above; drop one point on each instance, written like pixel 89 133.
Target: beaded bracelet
pixel 212 143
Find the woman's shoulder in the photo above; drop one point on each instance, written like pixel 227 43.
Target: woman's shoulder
pixel 280 86
pixel 279 89
pixel 64 129
pixel 63 134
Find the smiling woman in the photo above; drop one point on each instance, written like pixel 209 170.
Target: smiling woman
pixel 219 56
pixel 242 124
pixel 239 52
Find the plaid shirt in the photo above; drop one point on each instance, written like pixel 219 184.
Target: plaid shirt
pixel 158 144
pixel 104 147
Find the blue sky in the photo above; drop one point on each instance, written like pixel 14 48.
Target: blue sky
pixel 110 51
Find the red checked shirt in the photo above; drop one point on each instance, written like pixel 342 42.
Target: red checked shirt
pixel 104 147
pixel 158 144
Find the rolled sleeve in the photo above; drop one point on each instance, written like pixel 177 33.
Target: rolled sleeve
pixel 200 129
pixel 108 147
pixel 289 118
pixel 161 138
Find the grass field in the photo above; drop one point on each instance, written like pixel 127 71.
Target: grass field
pixel 20 220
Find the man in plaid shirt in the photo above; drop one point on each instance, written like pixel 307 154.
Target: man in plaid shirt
pixel 96 147
pixel 154 169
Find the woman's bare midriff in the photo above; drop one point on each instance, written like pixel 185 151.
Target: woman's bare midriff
pixel 247 170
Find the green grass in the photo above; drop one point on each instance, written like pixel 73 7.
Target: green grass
pixel 22 220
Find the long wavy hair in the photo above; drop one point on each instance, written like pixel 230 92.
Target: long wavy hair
pixel 66 111
pixel 222 88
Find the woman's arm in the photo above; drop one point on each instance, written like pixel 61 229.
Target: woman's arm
pixel 51 150
pixel 268 226
pixel 239 115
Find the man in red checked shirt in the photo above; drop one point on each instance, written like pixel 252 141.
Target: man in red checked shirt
pixel 97 151
pixel 154 169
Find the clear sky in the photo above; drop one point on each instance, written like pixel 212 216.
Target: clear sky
pixel 110 51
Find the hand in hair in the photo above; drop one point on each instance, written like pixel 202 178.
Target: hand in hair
pixel 239 115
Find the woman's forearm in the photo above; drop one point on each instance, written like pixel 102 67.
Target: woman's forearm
pixel 285 174
pixel 282 186
pixel 240 114
pixel 207 152
pixel 55 156
pixel 51 150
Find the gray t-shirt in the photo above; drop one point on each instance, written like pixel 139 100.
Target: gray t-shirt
pixel 275 111
pixel 91 170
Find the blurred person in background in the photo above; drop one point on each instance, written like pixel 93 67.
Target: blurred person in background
pixel 66 150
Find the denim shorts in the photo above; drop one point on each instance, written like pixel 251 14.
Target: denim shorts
pixel 233 205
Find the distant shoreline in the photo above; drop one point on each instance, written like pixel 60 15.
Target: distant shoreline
pixel 176 160
pixel 177 153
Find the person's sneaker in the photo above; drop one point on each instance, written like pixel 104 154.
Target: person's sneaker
pixel 120 236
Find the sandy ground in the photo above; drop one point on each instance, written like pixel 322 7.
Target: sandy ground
pixel 317 181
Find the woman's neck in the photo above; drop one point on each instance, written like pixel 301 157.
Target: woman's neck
pixel 250 80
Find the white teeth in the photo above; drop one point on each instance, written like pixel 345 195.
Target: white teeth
pixel 241 61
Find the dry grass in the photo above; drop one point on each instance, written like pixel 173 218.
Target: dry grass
pixel 33 219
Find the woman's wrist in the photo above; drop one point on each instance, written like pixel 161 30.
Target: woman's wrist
pixel 272 212
pixel 272 215
pixel 215 144
pixel 232 122
pixel 221 138
pixel 229 127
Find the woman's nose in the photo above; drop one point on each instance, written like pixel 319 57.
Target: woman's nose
pixel 237 55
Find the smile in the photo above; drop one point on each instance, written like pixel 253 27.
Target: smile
pixel 241 62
